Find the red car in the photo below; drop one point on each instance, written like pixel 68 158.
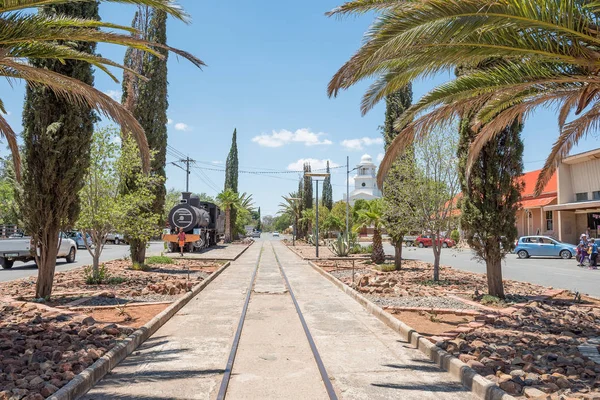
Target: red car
pixel 427 241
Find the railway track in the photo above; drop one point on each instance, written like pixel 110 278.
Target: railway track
pixel 238 335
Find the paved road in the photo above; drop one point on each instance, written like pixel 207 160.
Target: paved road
pixel 111 252
pixel 364 359
pixel 553 272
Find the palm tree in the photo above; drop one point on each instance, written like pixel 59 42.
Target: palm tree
pixel 228 199
pixel 549 56
pixel 25 35
pixel 372 217
pixel 292 205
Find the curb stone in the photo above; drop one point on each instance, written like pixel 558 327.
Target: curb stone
pixel 83 382
pixel 480 386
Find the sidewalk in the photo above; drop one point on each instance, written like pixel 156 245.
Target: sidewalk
pixel 364 358
pixel 186 357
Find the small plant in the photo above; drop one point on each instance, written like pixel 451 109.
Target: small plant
pixel 433 317
pixel 116 280
pixel 386 267
pixel 121 311
pixel 340 247
pixel 159 260
pixel 140 267
pixel 487 299
pixel 455 235
pixel 96 279
pixel 358 249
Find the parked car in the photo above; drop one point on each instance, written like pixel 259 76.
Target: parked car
pixel 255 234
pixel 115 238
pixel 19 249
pixel 409 241
pixel 78 238
pixel 427 241
pixel 543 246
pixel 276 234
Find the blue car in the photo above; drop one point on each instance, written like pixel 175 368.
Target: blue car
pixel 544 246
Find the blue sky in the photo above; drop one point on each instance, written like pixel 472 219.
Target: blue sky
pixel 269 63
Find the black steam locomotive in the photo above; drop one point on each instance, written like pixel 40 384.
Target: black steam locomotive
pixel 203 223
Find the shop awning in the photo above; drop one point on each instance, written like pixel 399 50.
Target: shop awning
pixel 537 203
pixel 582 205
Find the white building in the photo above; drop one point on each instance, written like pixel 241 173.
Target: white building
pixel 365 181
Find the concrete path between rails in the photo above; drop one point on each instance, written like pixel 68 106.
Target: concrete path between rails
pixel 364 358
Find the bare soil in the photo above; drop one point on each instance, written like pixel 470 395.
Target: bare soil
pixel 134 317
pixel 431 324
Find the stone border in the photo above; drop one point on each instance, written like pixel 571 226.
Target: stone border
pixel 83 382
pixel 480 386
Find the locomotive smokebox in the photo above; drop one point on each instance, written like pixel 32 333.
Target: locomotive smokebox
pixel 188 217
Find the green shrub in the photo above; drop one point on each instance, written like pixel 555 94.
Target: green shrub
pixel 358 249
pixel 116 280
pixel 487 299
pixel 386 267
pixel 140 267
pixel 340 246
pixel 159 260
pixel 455 235
pixel 96 279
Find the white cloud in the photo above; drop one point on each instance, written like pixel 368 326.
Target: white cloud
pixel 358 144
pixel 169 121
pixel 180 126
pixel 217 162
pixel 114 94
pixel 380 157
pixel 283 137
pixel 314 164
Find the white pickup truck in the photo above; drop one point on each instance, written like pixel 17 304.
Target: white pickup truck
pixel 19 249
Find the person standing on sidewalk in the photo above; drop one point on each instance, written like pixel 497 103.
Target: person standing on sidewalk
pixel 181 239
pixel 594 254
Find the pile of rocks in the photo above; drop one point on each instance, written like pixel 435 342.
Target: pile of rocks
pixel 42 349
pixel 162 279
pixel 535 351
pixel 414 280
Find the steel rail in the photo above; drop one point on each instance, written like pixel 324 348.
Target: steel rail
pixel 311 342
pixel 238 334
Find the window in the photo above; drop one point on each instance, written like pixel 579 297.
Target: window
pixel 581 196
pixel 364 184
pixel 596 195
pixel 549 221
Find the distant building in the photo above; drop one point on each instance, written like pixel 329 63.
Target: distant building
pixel 578 205
pixel 365 181
pixel 533 217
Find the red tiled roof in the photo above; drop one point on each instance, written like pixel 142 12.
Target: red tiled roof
pixel 537 202
pixel 530 179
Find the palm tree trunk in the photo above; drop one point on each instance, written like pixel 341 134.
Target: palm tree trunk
pixel 228 225
pixel 378 255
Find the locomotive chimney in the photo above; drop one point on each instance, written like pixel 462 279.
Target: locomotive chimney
pixel 185 197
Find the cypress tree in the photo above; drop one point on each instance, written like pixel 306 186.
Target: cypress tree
pixel 395 105
pixel 491 197
pixel 300 195
pixel 148 101
pixel 231 175
pixel 57 140
pixel 259 224
pixel 307 193
pixel 396 215
pixel 328 191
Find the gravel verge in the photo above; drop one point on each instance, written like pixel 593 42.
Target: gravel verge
pixel 424 302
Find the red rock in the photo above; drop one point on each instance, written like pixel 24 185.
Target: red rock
pixel 510 387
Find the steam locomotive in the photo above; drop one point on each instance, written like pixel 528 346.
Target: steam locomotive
pixel 203 223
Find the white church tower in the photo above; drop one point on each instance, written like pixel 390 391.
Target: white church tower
pixel 365 181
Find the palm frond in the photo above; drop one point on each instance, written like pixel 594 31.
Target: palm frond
pixel 11 138
pixel 168 6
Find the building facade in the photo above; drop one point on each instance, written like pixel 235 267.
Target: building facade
pixel 578 205
pixel 365 181
pixel 533 218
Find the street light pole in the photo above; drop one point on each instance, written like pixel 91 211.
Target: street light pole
pixel 292 200
pixel 317 181
pixel 347 197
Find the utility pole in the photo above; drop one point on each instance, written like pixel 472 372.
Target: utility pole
pixel 347 197
pixel 187 161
